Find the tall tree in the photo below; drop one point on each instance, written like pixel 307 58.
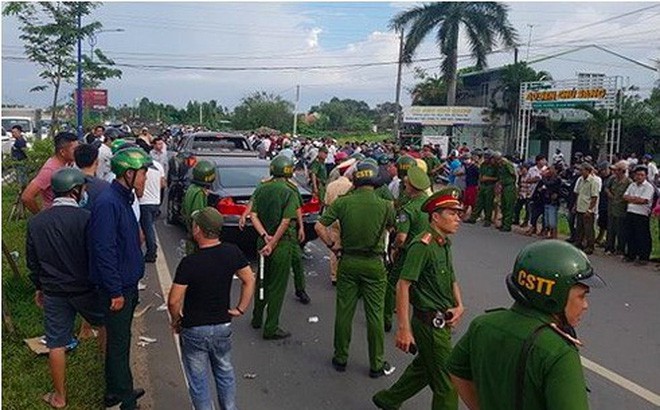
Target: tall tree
pixel 263 109
pixel 485 23
pixel 50 33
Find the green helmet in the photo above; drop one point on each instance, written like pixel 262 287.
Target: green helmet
pixel 65 179
pixel 203 173
pixel 129 158
pixel 545 271
pixel 358 156
pixel 366 173
pixel 403 164
pixel 116 144
pixel 281 166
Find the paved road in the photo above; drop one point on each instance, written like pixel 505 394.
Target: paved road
pixel 621 333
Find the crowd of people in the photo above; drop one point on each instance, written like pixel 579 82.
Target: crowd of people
pixel 388 215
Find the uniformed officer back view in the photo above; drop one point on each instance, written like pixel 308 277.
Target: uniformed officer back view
pixel 363 218
pixel 526 357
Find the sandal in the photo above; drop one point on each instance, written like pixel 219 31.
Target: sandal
pixel 48 398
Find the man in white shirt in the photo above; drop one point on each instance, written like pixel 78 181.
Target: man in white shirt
pixel 149 207
pixel 330 159
pixel 647 160
pixel 639 197
pixel 587 191
pixel 105 154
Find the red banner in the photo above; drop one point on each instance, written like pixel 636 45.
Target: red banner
pixel 95 99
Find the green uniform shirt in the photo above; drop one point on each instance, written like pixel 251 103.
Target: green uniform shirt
pixel 363 218
pixel 506 173
pixel 318 168
pixel 428 264
pixel 411 220
pixel 403 198
pixel 194 200
pixel 273 201
pixel 488 355
pixel 384 192
pixel 616 205
pixel 431 162
pixel 487 170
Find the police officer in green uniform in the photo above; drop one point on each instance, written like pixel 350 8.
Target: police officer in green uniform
pixel 486 196
pixel 410 222
pixel 526 357
pixel 318 174
pixel 274 206
pixel 297 251
pixel 196 197
pixel 428 283
pixel 364 220
pixel 506 174
pixel 403 164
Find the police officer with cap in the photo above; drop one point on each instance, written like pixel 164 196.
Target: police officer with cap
pixel 273 214
pixel 364 219
pixel 486 195
pixel 196 196
pixel 526 357
pixel 428 283
pixel 410 222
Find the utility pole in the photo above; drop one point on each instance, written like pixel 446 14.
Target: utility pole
pixel 295 111
pixel 397 99
pixel 529 41
pixel 79 97
pixel 515 55
pixel 200 114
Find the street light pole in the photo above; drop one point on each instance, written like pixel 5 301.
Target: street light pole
pixel 79 97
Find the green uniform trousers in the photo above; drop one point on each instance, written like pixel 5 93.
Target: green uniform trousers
pixel 361 277
pixel 507 204
pixel 427 369
pixel 118 376
pixel 390 293
pixel 485 202
pixel 277 269
pixel 297 267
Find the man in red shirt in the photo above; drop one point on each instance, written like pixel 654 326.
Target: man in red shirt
pixel 65 145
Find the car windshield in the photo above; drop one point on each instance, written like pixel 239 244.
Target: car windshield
pixel 242 177
pixel 219 144
pixel 10 122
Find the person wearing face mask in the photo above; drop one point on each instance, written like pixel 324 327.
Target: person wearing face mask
pixel 526 357
pixel 116 266
pixel 65 144
pixel 56 246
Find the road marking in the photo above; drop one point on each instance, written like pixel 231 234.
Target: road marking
pixel 165 280
pixel 621 381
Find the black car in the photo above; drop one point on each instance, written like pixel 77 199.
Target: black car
pixel 205 145
pixel 236 179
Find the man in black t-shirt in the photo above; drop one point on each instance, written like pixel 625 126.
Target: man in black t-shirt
pixel 199 303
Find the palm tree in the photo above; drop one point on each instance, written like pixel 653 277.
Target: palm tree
pixel 485 23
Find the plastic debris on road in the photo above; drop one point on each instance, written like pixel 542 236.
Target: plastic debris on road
pixel 142 286
pixel 250 376
pixel 326 257
pixel 162 307
pixel 313 319
pixel 140 313
pixel 147 339
pixel 311 273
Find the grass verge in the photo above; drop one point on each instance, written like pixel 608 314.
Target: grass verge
pixel 25 377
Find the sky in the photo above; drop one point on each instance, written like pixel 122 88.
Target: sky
pixel 339 35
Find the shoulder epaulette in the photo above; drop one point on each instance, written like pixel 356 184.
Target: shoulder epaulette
pixel 426 238
pixel 572 340
pixel 291 184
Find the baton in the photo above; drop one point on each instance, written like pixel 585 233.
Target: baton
pixel 387 248
pixel 261 277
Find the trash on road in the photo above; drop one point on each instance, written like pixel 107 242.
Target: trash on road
pixel 147 339
pixel 250 376
pixel 312 273
pixel 142 286
pixel 326 257
pixel 162 307
pixel 313 319
pixel 142 344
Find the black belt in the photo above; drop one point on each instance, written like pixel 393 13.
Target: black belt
pixel 366 254
pixel 435 319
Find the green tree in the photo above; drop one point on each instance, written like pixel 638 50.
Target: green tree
pixel 596 127
pixel 263 109
pixel 50 32
pixel 430 90
pixel 485 23
pixel 345 115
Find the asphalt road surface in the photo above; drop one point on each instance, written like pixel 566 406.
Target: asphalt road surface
pixel 621 333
